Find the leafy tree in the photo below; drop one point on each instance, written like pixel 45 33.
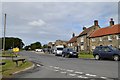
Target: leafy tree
pixel 11 42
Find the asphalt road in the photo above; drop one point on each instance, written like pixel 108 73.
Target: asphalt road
pixel 50 66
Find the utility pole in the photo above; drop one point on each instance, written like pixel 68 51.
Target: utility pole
pixel 4 34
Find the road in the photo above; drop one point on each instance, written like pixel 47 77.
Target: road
pixel 50 66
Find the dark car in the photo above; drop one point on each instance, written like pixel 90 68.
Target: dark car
pixel 69 52
pixel 109 52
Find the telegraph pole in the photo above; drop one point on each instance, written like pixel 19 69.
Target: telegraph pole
pixel 4 34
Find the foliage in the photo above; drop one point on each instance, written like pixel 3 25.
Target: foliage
pixel 11 42
pixel 45 46
pixel 33 46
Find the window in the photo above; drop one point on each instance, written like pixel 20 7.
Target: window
pixel 109 38
pixel 71 44
pixel 93 39
pixel 82 43
pixel 82 47
pixel 100 39
pixel 82 39
pixel 93 47
pixel 118 36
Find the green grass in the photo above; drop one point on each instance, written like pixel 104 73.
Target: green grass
pixel 8 54
pixel 85 55
pixel 10 67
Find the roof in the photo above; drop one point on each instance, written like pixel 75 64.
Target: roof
pixel 86 31
pixel 73 39
pixel 115 29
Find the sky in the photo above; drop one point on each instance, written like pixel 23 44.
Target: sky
pixel 50 21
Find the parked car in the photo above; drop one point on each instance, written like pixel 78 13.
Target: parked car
pixel 58 50
pixel 38 50
pixel 69 52
pixel 108 52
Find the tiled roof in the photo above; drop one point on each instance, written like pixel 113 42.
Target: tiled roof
pixel 73 39
pixel 115 29
pixel 86 31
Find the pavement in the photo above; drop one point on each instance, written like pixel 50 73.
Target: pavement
pixel 50 66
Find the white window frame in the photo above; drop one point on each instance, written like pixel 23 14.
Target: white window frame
pixel 100 38
pixel 117 36
pixel 109 38
pixel 93 47
pixel 82 39
pixel 82 47
pixel 93 39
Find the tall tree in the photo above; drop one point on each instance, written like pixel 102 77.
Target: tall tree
pixel 12 42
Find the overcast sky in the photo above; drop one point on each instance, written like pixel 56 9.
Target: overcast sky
pixel 50 21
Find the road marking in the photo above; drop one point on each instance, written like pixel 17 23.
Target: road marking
pixel 78 72
pixel 103 77
pixel 56 67
pixel 38 65
pixel 91 75
pixel 82 77
pixel 51 66
pixel 56 70
pixel 63 72
pixel 70 70
pixel 72 74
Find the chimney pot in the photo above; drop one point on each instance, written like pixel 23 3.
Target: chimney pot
pixel 111 22
pixel 95 22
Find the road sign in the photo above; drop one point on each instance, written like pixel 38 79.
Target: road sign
pixel 15 49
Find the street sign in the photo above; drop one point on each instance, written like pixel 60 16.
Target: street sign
pixel 15 49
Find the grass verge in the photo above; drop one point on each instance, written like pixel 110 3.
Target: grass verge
pixel 85 55
pixel 10 67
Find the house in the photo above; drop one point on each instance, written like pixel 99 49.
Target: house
pixel 83 38
pixel 108 36
pixel 72 43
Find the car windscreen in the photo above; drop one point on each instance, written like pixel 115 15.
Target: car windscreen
pixel 71 50
pixel 59 48
pixel 114 48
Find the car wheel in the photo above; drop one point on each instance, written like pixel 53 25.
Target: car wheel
pixel 97 57
pixel 115 57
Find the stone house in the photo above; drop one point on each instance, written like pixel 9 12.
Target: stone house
pixel 83 40
pixel 72 43
pixel 108 36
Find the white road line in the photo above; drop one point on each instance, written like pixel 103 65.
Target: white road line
pixel 38 65
pixel 56 70
pixel 91 75
pixel 63 72
pixel 103 77
pixel 72 74
pixel 78 72
pixel 82 77
pixel 51 66
pixel 56 67
pixel 70 70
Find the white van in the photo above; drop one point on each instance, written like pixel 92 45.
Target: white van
pixel 58 50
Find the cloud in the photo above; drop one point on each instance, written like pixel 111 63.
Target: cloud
pixel 37 23
pixel 48 21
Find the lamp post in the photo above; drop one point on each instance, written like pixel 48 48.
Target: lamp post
pixel 4 34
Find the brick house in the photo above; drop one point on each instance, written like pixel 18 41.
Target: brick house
pixel 72 43
pixel 106 36
pixel 83 38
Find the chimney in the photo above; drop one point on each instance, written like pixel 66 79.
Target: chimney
pixel 73 35
pixel 111 22
pixel 95 22
pixel 84 28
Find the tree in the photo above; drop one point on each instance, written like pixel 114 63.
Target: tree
pixel 45 46
pixel 11 42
